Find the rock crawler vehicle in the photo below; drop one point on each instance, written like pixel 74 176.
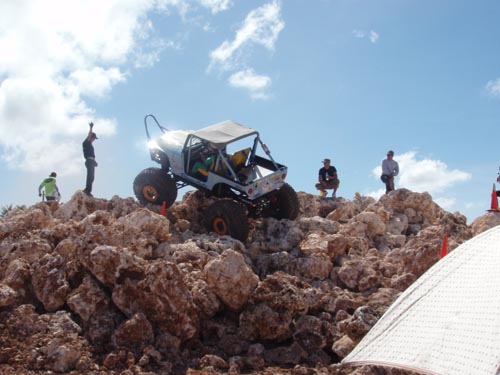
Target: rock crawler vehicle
pixel 244 183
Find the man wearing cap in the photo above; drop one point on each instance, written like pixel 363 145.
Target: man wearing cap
pixel 390 168
pixel 327 179
pixel 90 163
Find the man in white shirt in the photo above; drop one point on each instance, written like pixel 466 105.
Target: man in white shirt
pixel 390 169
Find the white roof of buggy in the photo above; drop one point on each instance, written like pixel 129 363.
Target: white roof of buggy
pixel 448 321
pixel 222 133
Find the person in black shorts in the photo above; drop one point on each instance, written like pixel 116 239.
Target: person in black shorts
pixel 327 179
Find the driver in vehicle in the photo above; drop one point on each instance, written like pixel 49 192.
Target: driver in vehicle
pixel 201 167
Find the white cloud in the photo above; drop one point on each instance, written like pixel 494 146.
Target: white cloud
pixel 429 175
pixel 446 203
pixel 493 88
pixel 361 34
pixel 96 82
pixel 358 33
pixel 56 55
pixel 261 26
pixel 217 6
pixel 52 59
pixel 248 79
pixel 374 36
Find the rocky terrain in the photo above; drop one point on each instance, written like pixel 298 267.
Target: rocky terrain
pixel 98 286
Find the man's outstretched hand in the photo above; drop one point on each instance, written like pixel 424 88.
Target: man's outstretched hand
pixel 91 124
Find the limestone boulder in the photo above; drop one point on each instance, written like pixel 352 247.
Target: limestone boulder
pixel 80 206
pixel 417 207
pixel 159 292
pixel 276 235
pixel 231 279
pixel 374 224
pixel 19 222
pixel 277 300
pixel 345 212
pixel 398 224
pixel 313 267
pixel 135 334
pixel 49 282
pixel 140 231
pixel 343 346
pixel 318 224
pixel 420 252
pixel 359 323
pixel 485 222
pixel 7 295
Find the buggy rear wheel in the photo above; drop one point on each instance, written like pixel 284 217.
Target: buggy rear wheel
pixel 227 217
pixel 284 203
pixel 154 185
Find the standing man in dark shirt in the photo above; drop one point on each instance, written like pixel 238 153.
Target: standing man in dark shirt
pixel 327 179
pixel 90 163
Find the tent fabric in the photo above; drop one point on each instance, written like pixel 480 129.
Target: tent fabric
pixel 448 321
pixel 222 133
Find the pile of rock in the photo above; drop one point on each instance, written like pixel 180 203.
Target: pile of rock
pixel 100 286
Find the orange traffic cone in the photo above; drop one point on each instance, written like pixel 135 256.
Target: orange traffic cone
pixel 164 209
pixel 494 200
pixel 444 247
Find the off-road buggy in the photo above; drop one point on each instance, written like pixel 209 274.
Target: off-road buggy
pixel 244 183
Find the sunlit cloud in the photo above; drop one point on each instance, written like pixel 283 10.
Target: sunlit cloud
pixel 372 35
pixel 96 82
pixel 424 175
pixel 247 79
pixel 217 6
pixel 493 88
pixel 358 33
pixel 261 27
pixel 53 62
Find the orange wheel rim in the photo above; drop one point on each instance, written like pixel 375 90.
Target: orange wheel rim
pixel 150 193
pixel 219 226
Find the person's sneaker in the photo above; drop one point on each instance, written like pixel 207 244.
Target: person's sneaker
pixel 87 193
pixel 322 193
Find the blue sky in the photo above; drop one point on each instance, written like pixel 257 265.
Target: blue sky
pixel 344 79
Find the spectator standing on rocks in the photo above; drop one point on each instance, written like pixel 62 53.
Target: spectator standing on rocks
pixel 498 180
pixel 50 188
pixel 327 179
pixel 90 163
pixel 390 169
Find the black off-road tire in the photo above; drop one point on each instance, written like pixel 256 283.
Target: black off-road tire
pixel 285 203
pixel 227 217
pixel 154 185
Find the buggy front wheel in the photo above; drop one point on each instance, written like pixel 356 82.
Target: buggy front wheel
pixel 154 185
pixel 227 217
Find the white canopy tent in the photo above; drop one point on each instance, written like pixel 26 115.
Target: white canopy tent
pixel 448 321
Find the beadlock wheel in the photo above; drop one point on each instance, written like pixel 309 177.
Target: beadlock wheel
pixel 219 226
pixel 227 217
pixel 150 193
pixel 155 185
